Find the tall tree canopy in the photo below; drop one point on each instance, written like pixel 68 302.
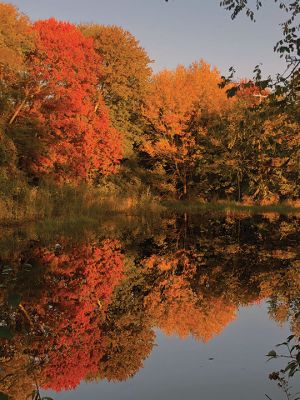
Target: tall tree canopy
pixel 60 95
pixel 124 74
pixel 16 37
pixel 178 110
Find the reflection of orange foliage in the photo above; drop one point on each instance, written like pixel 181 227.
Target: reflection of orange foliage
pixel 182 316
pixel 177 308
pixel 81 283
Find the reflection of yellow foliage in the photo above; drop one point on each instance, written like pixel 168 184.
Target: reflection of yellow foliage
pixel 177 309
pixel 283 254
pixel 284 283
pixel 202 322
pixel 281 313
pixel 126 348
pixel 16 377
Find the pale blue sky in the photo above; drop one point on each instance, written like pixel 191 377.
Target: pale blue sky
pixel 179 31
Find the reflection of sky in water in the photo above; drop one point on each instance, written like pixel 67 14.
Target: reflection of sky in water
pixel 181 369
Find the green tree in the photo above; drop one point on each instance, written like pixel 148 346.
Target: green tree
pixel 123 78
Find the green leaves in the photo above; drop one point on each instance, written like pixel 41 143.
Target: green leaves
pixel 3 396
pixel 292 345
pixel 291 368
pixel 272 354
pixel 5 333
pixel 14 300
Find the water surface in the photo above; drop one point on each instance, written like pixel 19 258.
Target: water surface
pixel 142 308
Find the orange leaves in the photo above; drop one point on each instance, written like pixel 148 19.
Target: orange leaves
pixel 250 94
pixel 176 110
pixel 161 148
pixel 80 142
pixel 175 96
pixel 176 307
pixel 169 101
pixel 80 284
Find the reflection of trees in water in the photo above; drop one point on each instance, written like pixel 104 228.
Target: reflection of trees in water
pixel 87 322
pixel 176 302
pixel 64 338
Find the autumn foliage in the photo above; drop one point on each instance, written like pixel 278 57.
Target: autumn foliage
pixel 75 101
pixel 177 308
pixel 51 77
pixel 176 110
pixel 79 141
pixel 80 283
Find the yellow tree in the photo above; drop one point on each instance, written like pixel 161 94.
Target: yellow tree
pixel 16 38
pixel 178 109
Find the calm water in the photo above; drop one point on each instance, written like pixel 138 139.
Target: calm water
pixel 134 308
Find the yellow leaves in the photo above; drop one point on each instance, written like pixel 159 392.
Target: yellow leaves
pixel 176 110
pixel 284 254
pixel 160 148
pixel 177 95
pixel 16 37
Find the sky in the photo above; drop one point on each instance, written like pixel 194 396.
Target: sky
pixel 180 31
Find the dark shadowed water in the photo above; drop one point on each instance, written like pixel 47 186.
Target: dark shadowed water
pixel 149 308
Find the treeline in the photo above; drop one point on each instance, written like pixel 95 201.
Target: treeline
pixel 80 107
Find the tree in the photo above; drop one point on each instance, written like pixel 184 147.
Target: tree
pixel 285 84
pixel 16 42
pixel 178 111
pixel 58 103
pixel 16 39
pixel 124 73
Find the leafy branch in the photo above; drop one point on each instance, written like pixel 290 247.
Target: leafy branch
pixel 292 353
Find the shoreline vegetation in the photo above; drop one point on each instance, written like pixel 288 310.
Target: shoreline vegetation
pixel 69 204
pixel 87 128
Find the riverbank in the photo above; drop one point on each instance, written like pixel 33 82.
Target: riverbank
pixel 194 207
pixel 89 205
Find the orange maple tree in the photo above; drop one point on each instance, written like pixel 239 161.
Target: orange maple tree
pixel 61 94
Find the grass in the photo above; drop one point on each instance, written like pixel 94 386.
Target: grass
pixel 74 204
pixel 194 207
pixel 85 205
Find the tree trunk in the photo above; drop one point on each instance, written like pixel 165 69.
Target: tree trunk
pixel 18 109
